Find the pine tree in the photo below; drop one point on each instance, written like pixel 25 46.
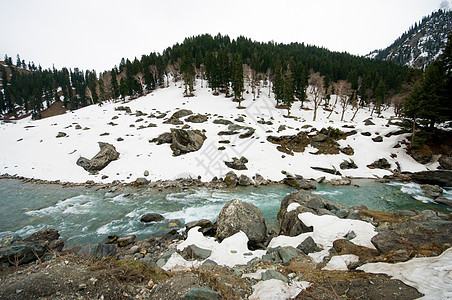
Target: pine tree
pixel 237 77
pixel 188 73
pixel 114 83
pixel 278 84
pixel 123 88
pixel 288 90
pixel 18 61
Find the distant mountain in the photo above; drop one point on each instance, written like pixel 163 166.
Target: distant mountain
pixel 421 44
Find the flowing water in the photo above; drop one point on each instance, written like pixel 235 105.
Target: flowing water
pixel 84 215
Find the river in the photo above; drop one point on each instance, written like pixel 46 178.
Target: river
pixel 86 215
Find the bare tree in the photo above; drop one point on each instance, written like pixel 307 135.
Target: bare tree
pixel 345 89
pixel 356 102
pixel 317 86
pixel 140 78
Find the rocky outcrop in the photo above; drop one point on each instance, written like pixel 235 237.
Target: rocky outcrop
pixel 106 155
pixel 297 182
pixel 422 155
pixel 237 164
pixel 206 227
pixel 238 216
pixel 15 251
pixel 245 180
pixel 438 177
pixel 304 201
pixel 426 233
pixel 185 141
pixel 164 138
pixel 345 165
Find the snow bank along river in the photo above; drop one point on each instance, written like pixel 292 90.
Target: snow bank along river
pixel 84 215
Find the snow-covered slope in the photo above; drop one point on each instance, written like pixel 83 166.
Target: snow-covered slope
pixel 31 149
pixel 420 45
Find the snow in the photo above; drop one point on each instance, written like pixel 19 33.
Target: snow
pixel 341 262
pixel 326 230
pixel 431 276
pixel 293 206
pixel 35 152
pixel 274 289
pixel 230 252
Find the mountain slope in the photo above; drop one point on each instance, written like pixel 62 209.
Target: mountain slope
pixel 421 44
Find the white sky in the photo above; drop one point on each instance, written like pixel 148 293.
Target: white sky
pixel 96 34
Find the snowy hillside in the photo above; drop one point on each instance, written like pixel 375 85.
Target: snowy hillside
pixel 33 150
pixel 420 45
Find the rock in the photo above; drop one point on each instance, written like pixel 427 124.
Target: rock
pixel 259 180
pixel 140 181
pixel 273 274
pixel 45 235
pixel 9 240
pixel 444 201
pixel 340 182
pixel 185 141
pixel 437 177
pixel 146 173
pixel 151 217
pixel 238 216
pixel 173 121
pixel 347 150
pixel 244 180
pixel 196 119
pixel 445 161
pixel 17 251
pixel 305 201
pixel 207 227
pixel 126 241
pixel 247 134
pixel 281 128
pixel 174 223
pixel 182 113
pixel 209 262
pixel 288 253
pixel 231 179
pixel 308 246
pixel 320 138
pixel 105 250
pixel 222 122
pixel 345 165
pixel 78 127
pixel 298 183
pixel 377 139
pixel 200 293
pixel 164 138
pixel 61 134
pixel 422 155
pixel 124 108
pixel 240 119
pixel 432 191
pixel 366 133
pixel 106 155
pixel 237 164
pixel 194 252
pixel 426 233
pixel 326 170
pixel 368 122
pixel 382 163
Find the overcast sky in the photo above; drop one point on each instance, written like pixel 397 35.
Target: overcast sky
pixel 96 34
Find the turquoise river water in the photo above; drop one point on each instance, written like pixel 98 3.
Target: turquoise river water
pixel 84 215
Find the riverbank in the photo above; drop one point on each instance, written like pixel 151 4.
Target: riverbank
pixel 170 266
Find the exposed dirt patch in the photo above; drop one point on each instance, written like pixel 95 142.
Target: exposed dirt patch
pixel 55 109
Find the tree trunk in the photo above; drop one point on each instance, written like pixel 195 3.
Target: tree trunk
pixel 413 133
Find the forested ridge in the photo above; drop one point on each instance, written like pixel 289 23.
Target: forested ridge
pixel 224 63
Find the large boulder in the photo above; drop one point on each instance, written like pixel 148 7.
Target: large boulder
pixel 304 201
pixel 231 179
pixel 445 161
pixel 106 155
pixel 185 141
pixel 197 118
pixel 237 163
pixel 151 217
pixel 238 216
pixel 438 177
pixel 16 251
pixel 427 233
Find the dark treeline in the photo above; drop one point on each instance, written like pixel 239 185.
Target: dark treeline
pixel 222 62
